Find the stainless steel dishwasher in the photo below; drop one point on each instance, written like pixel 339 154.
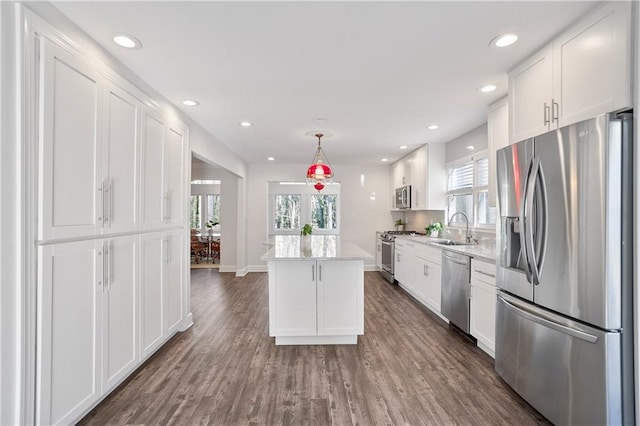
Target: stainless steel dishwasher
pixel 456 273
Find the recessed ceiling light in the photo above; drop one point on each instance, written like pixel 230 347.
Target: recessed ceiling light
pixel 127 41
pixel 246 124
pixel 470 147
pixel 487 88
pixel 504 40
pixel 270 158
pixel 432 126
pixel 403 147
pixel 190 102
pixel 384 160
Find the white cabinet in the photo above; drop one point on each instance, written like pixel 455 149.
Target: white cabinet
pixel 483 304
pixel 340 304
pixel 89 149
pixel 428 177
pixel 120 160
pixel 378 250
pixel 69 322
pixel 584 72
pixel 498 138
pixel 119 310
pixel 402 269
pixel 174 249
pixel 309 299
pixel 530 96
pixel 153 151
pixel 163 178
pixel 70 204
pixel 86 324
pixel 430 288
pixel 152 260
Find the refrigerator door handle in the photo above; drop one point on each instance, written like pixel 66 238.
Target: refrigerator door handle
pixel 518 309
pixel 534 264
pixel 524 225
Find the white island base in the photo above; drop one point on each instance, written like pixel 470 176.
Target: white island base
pixel 317 297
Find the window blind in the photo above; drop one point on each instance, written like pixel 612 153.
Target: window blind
pixel 482 172
pixel 460 177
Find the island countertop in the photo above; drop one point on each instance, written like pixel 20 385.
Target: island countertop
pixel 321 247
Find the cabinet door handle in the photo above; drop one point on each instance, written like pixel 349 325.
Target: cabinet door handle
pixel 555 110
pixel 105 202
pixel 101 280
pixel 167 204
pixel 379 247
pixel 110 210
pixel 101 191
pixel 110 264
pixel 484 273
pixel 319 272
pixel 105 265
pixel 426 269
pixel 313 272
pixel 546 113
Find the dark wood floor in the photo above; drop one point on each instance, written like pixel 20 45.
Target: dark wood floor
pixel 408 368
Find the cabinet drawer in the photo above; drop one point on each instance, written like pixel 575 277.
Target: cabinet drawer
pixel 483 271
pixel 429 253
pixel 407 245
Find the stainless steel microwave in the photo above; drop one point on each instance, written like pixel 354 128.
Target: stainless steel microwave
pixel 403 197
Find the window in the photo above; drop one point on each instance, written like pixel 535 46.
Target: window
pixel 286 212
pixel 194 217
pixel 467 191
pixel 213 209
pixel 292 204
pixel 204 208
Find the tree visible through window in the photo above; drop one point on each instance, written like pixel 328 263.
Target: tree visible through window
pixel 324 211
pixel 213 209
pixel 286 211
pixel 194 217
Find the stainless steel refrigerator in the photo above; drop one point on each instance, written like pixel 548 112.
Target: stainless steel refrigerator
pixel 564 338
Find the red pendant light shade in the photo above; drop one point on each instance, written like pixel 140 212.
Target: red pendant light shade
pixel 320 172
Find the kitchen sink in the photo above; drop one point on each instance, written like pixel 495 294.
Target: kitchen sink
pixel 452 243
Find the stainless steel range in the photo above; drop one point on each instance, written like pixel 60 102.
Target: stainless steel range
pixel 388 252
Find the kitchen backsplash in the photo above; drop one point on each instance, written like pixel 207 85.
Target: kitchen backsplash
pixel 419 220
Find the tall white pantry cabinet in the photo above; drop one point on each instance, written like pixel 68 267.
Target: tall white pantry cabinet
pixel 111 249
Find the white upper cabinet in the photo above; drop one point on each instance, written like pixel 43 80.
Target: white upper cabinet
pixel 584 72
pixel 70 197
pixel 153 151
pixel 428 177
pixel 424 170
pixel 174 174
pixel 120 159
pixel 592 65
pixel 498 138
pixel 530 95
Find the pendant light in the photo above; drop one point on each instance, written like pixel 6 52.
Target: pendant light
pixel 319 172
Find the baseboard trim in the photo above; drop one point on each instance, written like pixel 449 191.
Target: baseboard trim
pixel 187 322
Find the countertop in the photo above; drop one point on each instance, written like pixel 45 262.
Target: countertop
pixel 322 247
pixel 483 253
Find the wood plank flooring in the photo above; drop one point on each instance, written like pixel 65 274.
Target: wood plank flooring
pixel 408 368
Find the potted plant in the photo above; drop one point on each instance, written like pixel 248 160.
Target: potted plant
pixel 210 224
pixel 433 230
pixel 305 236
pixel 399 225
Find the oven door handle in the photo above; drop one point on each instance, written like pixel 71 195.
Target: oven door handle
pixel 387 243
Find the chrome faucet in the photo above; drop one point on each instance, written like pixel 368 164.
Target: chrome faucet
pixel 467 236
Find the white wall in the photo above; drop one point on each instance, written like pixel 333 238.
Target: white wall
pixel 360 216
pixel 457 148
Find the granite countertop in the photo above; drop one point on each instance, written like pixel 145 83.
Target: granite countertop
pixel 321 247
pixel 480 252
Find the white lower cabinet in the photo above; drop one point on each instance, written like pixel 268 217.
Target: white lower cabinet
pixel 161 295
pixel 483 305
pixel 419 271
pixel 309 299
pixel 379 250
pixel 86 324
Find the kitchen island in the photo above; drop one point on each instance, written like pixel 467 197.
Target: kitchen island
pixel 316 290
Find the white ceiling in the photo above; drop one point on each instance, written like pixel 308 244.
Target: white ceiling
pixel 379 72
